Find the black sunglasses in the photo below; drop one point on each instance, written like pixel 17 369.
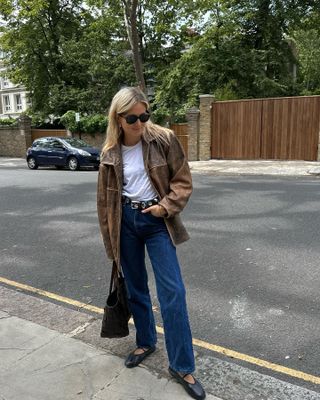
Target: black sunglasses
pixel 131 119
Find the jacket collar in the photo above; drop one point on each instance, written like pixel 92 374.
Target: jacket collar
pixel 113 155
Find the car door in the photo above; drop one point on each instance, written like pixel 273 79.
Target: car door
pixel 57 153
pixel 43 151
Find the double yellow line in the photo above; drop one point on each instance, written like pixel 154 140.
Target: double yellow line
pixel 218 349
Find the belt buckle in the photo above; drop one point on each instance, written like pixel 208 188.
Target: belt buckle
pixel 135 204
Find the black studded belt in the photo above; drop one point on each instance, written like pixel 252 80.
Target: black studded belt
pixel 139 205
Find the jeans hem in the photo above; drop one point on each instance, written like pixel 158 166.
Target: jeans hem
pixel 184 371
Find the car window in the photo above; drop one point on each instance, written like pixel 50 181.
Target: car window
pixel 41 143
pixel 76 142
pixel 56 144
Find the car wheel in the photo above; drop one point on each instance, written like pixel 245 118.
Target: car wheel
pixel 32 163
pixel 73 164
pixel 59 166
pixel 96 167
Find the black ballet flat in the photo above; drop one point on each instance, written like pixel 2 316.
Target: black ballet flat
pixel 195 390
pixel 133 360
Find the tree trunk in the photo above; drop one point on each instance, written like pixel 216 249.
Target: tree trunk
pixel 130 16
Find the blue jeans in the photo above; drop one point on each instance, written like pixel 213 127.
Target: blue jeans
pixel 137 231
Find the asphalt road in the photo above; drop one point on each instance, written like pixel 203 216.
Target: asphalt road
pixel 251 268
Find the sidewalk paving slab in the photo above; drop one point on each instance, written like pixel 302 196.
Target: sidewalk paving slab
pixel 38 363
pixel 256 167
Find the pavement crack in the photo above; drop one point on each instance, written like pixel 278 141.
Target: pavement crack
pixel 108 384
pixel 115 377
pixel 72 364
pixel 33 351
pixel 13 348
pixel 41 368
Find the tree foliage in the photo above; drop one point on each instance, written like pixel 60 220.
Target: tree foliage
pixel 88 124
pixel 74 55
pixel 245 52
pixel 65 56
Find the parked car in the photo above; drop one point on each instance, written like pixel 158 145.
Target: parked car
pixel 62 152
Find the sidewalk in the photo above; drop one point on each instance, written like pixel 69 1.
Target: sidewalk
pixel 256 167
pixel 40 363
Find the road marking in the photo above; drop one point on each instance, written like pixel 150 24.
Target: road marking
pixel 9 164
pixel 79 329
pixel 209 346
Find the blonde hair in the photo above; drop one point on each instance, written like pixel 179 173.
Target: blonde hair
pixel 121 103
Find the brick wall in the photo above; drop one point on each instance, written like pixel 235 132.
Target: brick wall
pixel 12 142
pixel 199 129
pixel 96 140
pixel 15 140
pixel 193 133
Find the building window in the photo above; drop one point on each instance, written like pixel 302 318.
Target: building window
pixel 5 82
pixel 6 102
pixel 18 102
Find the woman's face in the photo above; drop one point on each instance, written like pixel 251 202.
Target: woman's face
pixel 133 132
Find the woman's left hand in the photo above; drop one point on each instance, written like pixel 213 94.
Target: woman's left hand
pixel 156 211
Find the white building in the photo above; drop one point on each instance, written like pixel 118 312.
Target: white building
pixel 13 98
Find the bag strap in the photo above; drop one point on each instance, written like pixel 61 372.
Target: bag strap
pixel 115 275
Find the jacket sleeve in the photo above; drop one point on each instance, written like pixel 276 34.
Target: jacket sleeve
pixel 180 184
pixel 102 194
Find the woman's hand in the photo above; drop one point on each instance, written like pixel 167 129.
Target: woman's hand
pixel 156 211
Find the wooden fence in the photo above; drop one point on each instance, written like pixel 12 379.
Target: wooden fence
pixel 181 131
pixel 38 133
pixel 279 128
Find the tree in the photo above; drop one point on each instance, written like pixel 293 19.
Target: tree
pixel 74 55
pixel 308 48
pixel 245 51
pixel 65 55
pixel 130 8
pixel 156 32
pixel 36 35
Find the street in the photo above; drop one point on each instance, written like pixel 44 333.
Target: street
pixel 250 268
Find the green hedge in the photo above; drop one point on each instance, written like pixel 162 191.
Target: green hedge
pixel 8 122
pixel 92 124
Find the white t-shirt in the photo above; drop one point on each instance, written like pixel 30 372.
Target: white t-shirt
pixel 136 183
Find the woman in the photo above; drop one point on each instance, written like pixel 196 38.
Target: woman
pixel 144 183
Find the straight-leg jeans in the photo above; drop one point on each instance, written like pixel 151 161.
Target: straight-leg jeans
pixel 137 231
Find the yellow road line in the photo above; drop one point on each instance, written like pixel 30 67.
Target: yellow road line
pixel 52 295
pixel 218 349
pixel 257 361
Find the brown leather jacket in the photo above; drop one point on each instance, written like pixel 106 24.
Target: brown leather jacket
pixel 168 170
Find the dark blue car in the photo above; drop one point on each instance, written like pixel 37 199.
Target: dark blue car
pixel 62 152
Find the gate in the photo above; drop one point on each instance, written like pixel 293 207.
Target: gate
pixel 38 133
pixel 279 128
pixel 181 131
